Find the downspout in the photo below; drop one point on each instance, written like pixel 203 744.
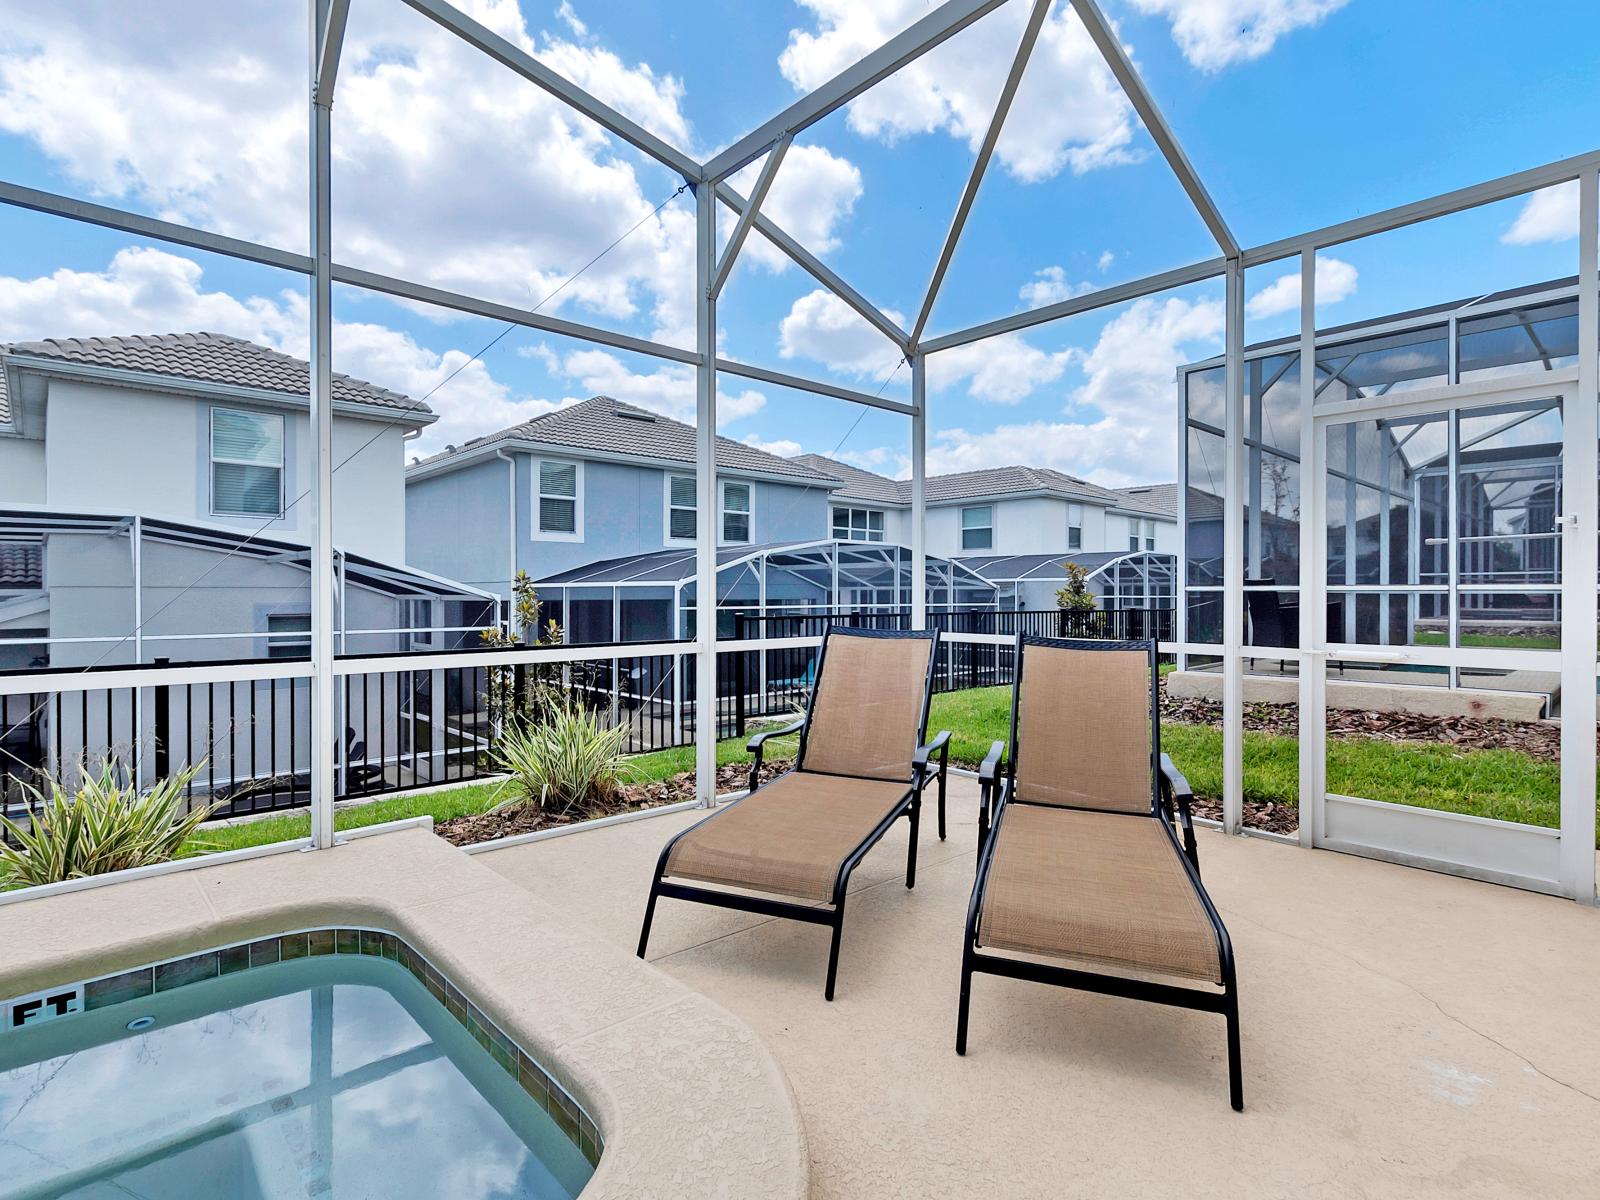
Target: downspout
pixel 511 534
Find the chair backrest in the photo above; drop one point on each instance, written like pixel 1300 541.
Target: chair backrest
pixel 869 707
pixel 1083 724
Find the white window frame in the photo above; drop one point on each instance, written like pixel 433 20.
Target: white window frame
pixel 850 512
pixel 962 527
pixel 723 510
pixel 212 460
pixel 667 507
pixel 1149 536
pixel 278 641
pixel 1074 526
pixel 536 493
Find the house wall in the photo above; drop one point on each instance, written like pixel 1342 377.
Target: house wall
pixel 22 470
pixel 456 525
pixel 129 450
pixel 456 522
pixel 1034 525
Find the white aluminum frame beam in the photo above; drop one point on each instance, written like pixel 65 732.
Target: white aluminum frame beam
pixel 1155 124
pixel 752 210
pixel 509 313
pixel 531 69
pixel 910 43
pixel 779 378
pixel 980 164
pixel 332 45
pixel 819 270
pixel 107 217
pixel 707 508
pixel 1118 293
pixel 324 698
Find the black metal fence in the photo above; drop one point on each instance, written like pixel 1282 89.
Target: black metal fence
pixel 419 728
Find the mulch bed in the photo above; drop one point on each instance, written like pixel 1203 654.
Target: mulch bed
pixel 507 822
pixel 1537 739
pixel 1258 814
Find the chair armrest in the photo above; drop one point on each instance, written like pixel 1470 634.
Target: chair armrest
pixel 940 745
pixel 1180 796
pixel 991 765
pixel 757 747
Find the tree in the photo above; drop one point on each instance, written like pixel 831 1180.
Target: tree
pixel 1076 596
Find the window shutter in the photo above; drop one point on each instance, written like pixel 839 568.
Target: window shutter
pixel 558 479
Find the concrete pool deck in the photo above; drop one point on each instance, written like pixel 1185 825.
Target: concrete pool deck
pixel 690 1101
pixel 1406 1034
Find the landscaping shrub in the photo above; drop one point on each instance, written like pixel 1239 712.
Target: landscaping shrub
pixel 106 824
pixel 566 759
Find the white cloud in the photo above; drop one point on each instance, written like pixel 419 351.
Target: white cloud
pixel 196 113
pixel 1121 426
pixel 1336 279
pixel 1001 370
pixel 821 327
pixel 1068 113
pixel 998 370
pixel 1550 215
pixel 669 389
pixel 782 447
pixel 1105 260
pixel 1049 286
pixel 814 192
pixel 145 290
pixel 1214 34
pixel 568 16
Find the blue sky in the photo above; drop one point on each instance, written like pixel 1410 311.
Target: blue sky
pixel 1297 113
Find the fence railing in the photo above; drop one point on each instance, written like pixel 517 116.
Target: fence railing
pixel 247 725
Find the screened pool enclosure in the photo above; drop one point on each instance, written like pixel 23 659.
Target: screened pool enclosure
pixel 1423 503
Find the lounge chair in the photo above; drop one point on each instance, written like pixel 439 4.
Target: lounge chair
pixel 1081 880
pixel 788 847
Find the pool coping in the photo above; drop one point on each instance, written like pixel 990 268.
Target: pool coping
pixel 689 1101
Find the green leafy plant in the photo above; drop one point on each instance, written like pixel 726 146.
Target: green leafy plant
pixel 105 824
pixel 1076 596
pixel 541 682
pixel 568 759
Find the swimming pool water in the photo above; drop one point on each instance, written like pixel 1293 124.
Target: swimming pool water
pixel 332 1078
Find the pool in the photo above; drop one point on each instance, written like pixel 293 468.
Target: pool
pixel 237 1076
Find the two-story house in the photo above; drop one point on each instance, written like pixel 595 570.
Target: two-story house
pixel 153 503
pixel 595 481
pixel 1016 525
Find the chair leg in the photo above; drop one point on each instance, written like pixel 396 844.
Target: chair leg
pixel 1235 1071
pixel 833 951
pixel 649 916
pixel 941 803
pixel 965 1005
pixel 914 812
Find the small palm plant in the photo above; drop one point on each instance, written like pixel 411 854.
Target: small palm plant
pixel 567 759
pixel 105 824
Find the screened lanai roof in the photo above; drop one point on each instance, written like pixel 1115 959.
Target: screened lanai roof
pixel 672 568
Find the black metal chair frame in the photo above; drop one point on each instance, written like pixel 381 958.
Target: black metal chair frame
pixel 923 772
pixel 1170 799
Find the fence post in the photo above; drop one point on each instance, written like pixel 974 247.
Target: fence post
pixel 163 721
pixel 740 677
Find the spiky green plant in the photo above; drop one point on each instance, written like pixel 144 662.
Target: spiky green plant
pixel 105 824
pixel 566 759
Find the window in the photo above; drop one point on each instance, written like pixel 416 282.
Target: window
pixel 1133 533
pixel 858 524
pixel 1149 535
pixel 680 508
pixel 282 641
pixel 558 506
pixel 1074 527
pixel 736 512
pixel 246 463
pixel 977 528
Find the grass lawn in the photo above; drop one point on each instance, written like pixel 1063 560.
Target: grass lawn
pixel 1492 641
pixel 1504 784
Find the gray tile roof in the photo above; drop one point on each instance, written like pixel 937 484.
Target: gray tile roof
pixel 858 484
pixel 611 427
pixel 209 358
pixel 21 564
pixel 1156 497
pixel 993 481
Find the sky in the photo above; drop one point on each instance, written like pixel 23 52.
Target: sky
pixel 452 171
